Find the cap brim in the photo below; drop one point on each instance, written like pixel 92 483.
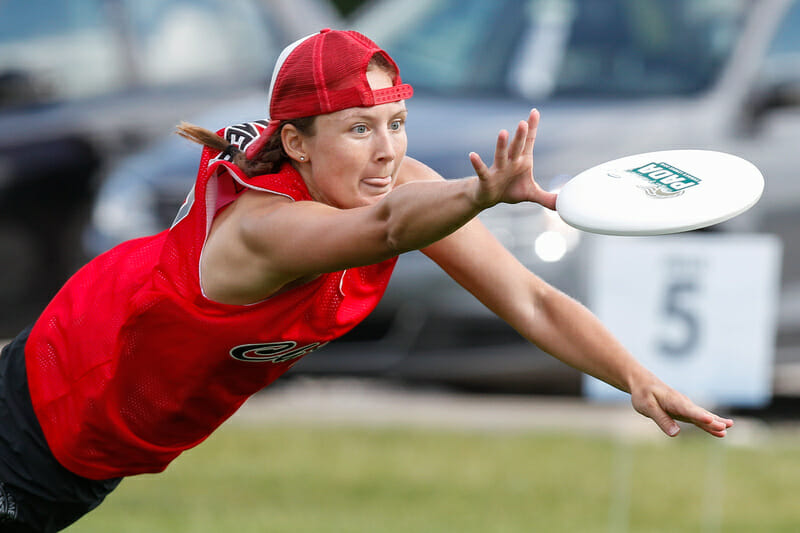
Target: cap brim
pixel 393 94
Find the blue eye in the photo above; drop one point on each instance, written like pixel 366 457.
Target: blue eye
pixel 360 128
pixel 396 125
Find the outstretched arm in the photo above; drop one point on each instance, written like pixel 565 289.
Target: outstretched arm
pixel 545 316
pixel 263 242
pixel 561 326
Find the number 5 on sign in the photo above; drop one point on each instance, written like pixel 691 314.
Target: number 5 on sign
pixel 677 310
pixel 699 310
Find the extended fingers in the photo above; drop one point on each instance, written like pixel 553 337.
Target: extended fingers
pixel 715 425
pixel 520 140
pixel 501 150
pixel 533 126
pixel 521 144
pixel 681 408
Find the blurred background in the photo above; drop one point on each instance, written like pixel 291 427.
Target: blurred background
pixel 90 91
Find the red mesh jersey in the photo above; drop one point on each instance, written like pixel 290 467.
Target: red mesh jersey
pixel 130 364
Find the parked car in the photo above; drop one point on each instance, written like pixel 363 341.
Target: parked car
pixel 611 78
pixel 85 82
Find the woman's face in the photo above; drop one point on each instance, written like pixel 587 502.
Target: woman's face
pixel 353 157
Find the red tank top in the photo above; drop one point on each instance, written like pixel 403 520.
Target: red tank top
pixel 130 364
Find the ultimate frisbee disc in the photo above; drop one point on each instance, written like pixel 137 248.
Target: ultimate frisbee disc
pixel 655 193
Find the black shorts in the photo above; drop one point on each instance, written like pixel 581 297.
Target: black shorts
pixel 36 492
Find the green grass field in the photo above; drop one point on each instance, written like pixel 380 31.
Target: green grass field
pixel 355 479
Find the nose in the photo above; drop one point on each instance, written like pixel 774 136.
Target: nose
pixel 385 150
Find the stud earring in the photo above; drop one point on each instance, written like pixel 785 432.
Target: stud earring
pixel 302 158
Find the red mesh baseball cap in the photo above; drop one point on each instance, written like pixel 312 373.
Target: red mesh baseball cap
pixel 323 73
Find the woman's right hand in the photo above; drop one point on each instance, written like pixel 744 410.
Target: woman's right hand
pixel 510 178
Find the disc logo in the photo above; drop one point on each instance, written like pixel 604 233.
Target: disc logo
pixel 273 352
pixel 663 180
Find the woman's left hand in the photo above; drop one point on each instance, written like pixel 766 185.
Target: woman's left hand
pixel 665 405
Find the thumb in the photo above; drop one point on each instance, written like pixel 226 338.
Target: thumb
pixel 653 410
pixel 546 199
pixel 477 163
pixel 666 423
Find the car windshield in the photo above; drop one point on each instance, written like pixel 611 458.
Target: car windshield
pixel 551 48
pixel 55 51
pixel 52 49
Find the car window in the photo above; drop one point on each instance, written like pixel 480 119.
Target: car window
pixel 56 50
pixel 190 40
pixel 787 38
pixel 646 47
pixel 541 48
pixel 783 56
pixel 448 45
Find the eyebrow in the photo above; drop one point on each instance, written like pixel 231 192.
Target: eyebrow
pixel 357 113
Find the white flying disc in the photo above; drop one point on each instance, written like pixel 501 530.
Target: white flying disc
pixel 655 193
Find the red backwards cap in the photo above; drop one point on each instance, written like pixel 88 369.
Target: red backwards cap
pixel 323 73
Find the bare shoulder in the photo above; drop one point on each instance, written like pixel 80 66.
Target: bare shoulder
pixel 232 269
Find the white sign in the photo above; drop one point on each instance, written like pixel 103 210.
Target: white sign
pixel 699 310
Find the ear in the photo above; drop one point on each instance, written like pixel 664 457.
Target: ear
pixel 294 143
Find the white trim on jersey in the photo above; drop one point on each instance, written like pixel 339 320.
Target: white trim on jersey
pixel 253 187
